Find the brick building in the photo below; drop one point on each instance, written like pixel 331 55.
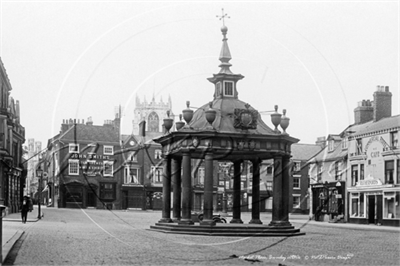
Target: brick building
pixel 12 136
pixel 84 165
pixel 356 177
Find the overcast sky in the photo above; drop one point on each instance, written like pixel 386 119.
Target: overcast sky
pixel 76 59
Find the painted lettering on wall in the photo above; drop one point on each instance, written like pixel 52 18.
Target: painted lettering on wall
pixel 374 163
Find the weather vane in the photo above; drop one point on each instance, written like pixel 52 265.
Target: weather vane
pixel 222 17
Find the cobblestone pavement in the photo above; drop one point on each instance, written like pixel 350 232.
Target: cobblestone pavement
pixel 101 237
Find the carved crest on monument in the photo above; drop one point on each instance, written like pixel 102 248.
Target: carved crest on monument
pixel 245 118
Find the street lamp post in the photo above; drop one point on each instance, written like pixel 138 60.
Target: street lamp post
pixel 39 173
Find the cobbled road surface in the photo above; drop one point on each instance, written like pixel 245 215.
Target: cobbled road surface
pixel 102 237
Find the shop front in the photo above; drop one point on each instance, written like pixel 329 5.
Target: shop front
pixel 328 201
pixel 372 202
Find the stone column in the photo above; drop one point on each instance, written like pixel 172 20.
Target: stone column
pixel 278 217
pixel 208 191
pixel 286 172
pixel 186 190
pixel 177 183
pixel 255 204
pixel 166 210
pixel 236 193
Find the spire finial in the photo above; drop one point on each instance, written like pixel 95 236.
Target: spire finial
pixel 222 17
pixel 225 54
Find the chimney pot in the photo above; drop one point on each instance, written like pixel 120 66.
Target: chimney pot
pixel 387 88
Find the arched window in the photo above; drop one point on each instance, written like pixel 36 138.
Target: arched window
pixel 153 122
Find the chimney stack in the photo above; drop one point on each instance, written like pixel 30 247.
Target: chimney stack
pixel 64 125
pixel 321 141
pixel 382 103
pixel 89 121
pixel 364 112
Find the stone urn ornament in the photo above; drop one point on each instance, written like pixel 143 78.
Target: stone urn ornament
pixel 168 122
pixel 210 115
pixel 276 119
pixel 180 123
pixel 284 121
pixel 187 113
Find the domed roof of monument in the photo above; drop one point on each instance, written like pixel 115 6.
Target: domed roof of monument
pixel 232 114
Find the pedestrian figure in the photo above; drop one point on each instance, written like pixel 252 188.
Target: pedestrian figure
pixel 26 206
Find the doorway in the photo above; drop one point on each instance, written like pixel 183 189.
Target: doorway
pixel 91 202
pixel 371 209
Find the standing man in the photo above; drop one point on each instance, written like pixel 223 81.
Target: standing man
pixel 26 206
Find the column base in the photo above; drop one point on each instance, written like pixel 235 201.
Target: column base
pixel 176 219
pixel 255 221
pixel 207 222
pixel 236 221
pixel 165 220
pixel 186 221
pixel 280 223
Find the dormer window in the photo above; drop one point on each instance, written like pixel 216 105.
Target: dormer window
pixel 228 88
pixel 344 143
pixel 331 145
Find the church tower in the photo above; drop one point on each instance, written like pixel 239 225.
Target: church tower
pixel 153 113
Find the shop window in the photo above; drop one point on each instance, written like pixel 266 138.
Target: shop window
pixel 296 201
pixel 357 207
pixel 354 175
pixel 391 205
pixel 107 191
pixel 108 168
pixel 296 182
pixel 108 150
pixel 157 173
pixel 73 196
pixel 131 175
pixel 389 171
pixel 73 167
pixel 73 148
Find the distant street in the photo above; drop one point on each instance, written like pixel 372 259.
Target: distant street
pixel 101 237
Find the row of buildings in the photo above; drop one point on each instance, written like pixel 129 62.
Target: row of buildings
pixel 351 177
pixel 356 177
pixel 12 137
pixel 95 166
